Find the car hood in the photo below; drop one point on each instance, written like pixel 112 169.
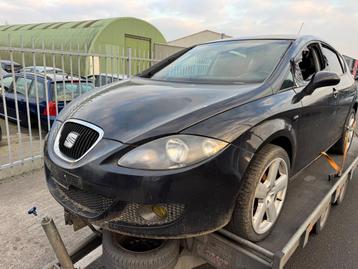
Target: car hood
pixel 139 109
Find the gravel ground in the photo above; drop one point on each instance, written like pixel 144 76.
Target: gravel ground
pixel 23 242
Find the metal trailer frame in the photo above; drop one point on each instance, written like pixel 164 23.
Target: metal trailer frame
pixel 225 250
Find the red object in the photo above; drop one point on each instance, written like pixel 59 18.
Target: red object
pixel 355 69
pixel 51 108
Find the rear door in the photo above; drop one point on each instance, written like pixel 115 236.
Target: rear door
pixel 345 90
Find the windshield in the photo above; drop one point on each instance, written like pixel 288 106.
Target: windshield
pixel 66 91
pixel 244 61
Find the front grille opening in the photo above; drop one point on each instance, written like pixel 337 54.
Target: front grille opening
pixel 83 138
pixel 83 202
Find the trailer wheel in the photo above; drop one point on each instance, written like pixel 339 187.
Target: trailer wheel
pixel 322 220
pixel 262 194
pixel 126 252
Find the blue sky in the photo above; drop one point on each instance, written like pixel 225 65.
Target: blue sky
pixel 335 21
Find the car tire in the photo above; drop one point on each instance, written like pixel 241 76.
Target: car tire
pixel 126 252
pixel 246 218
pixel 339 146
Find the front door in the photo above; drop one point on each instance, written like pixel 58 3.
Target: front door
pixel 8 94
pixel 317 119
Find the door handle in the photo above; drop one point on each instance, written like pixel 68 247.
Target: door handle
pixel 335 93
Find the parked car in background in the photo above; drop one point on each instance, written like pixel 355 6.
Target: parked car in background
pixel 208 137
pixel 59 91
pixel 355 70
pixel 43 70
pixel 6 68
pixel 104 79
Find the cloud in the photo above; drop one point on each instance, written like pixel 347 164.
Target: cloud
pixel 336 21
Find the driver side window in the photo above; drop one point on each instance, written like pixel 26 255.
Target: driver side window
pixel 309 62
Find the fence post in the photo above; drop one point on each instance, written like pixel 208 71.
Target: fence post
pixel 129 62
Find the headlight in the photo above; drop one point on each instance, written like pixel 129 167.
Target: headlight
pixel 172 152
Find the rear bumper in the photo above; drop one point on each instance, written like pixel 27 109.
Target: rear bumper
pixel 199 199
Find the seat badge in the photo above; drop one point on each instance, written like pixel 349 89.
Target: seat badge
pixel 71 139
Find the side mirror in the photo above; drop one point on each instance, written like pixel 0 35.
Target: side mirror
pixel 321 79
pixel 318 80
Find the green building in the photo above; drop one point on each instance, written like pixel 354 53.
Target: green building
pixel 102 39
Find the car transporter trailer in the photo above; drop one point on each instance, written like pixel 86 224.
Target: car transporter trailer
pixel 311 193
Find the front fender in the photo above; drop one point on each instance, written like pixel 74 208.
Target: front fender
pixel 254 124
pixel 278 131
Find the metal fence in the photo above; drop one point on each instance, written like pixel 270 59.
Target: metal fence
pixel 36 83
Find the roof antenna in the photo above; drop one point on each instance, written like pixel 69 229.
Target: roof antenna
pixel 299 31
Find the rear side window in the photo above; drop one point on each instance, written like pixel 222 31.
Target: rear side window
pixel 22 85
pixel 332 61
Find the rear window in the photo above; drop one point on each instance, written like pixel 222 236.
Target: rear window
pixel 67 91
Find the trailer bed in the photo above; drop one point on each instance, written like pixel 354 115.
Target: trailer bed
pixel 308 195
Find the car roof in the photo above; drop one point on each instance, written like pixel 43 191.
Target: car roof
pixel 40 67
pixel 8 62
pixel 51 77
pixel 108 75
pixel 268 37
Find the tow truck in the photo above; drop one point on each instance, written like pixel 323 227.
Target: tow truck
pixel 311 195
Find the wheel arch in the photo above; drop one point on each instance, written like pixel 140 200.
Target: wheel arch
pixel 283 142
pixel 276 131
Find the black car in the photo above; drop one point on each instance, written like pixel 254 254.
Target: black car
pixel 208 137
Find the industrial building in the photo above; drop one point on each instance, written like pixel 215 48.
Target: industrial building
pixel 105 36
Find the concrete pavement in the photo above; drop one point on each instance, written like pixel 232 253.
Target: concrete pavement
pixel 23 242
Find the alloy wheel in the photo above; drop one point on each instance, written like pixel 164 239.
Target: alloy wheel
pixel 269 195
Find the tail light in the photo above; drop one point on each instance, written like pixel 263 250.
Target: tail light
pixel 51 109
